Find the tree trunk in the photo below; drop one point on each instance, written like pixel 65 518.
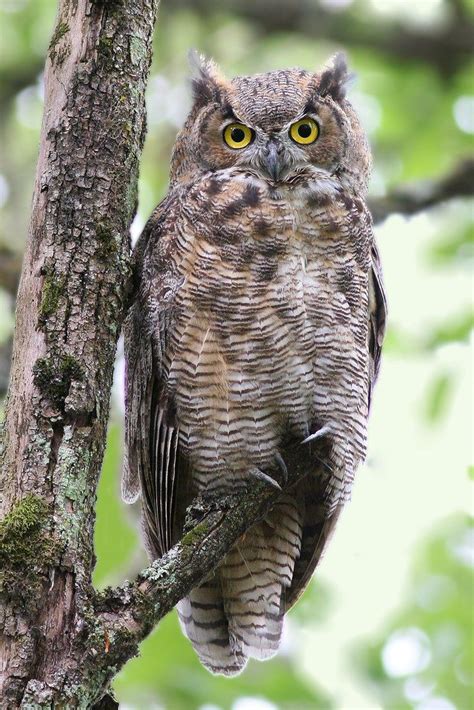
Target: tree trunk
pixel 69 311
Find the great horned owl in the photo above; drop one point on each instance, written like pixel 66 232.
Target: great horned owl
pixel 257 323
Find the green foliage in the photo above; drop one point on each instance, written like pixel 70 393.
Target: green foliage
pixel 438 396
pixel 455 329
pixel 314 606
pixel 427 650
pixel 115 539
pixel 457 246
pixel 168 672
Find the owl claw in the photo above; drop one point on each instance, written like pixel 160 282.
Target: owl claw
pixel 317 434
pixel 282 466
pixel 266 478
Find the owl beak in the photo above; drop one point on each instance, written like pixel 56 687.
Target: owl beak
pixel 272 159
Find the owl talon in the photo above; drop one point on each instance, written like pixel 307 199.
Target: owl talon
pixel 266 478
pixel 317 434
pixel 282 466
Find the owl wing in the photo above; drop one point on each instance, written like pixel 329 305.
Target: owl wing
pixel 152 459
pixel 318 527
pixel 377 316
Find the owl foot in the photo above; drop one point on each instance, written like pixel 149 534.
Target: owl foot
pixel 317 434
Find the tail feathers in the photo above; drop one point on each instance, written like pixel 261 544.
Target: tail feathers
pixel 255 616
pixel 204 622
pixel 239 613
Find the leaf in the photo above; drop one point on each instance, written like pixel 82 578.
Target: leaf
pixel 457 329
pixel 438 397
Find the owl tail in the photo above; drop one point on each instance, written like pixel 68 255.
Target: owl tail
pixel 238 613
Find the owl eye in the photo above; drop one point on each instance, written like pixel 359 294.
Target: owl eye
pixel 237 135
pixel 304 131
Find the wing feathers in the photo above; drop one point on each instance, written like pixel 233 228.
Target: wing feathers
pixel 377 315
pixel 151 436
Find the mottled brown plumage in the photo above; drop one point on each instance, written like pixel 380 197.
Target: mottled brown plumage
pixel 257 323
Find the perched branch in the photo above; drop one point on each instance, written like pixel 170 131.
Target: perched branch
pixel 422 195
pixel 126 614
pixel 445 48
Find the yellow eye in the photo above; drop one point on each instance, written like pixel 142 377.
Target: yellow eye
pixel 237 135
pixel 304 131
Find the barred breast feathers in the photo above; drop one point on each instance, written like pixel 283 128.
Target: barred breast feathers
pixel 249 331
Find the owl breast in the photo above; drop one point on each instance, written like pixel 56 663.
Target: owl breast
pixel 270 343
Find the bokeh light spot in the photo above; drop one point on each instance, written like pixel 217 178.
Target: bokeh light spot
pixel 463 111
pixel 406 651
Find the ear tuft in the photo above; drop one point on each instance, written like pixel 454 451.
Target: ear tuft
pixel 207 80
pixel 335 78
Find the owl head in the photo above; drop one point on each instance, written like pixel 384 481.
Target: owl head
pixel 284 127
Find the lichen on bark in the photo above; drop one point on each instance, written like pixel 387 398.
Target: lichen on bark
pixel 25 542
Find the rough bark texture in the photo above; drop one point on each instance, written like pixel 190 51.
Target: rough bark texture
pixel 69 311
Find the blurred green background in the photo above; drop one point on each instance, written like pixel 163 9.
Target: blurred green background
pixel 387 622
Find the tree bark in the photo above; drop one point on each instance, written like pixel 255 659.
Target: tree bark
pixel 69 311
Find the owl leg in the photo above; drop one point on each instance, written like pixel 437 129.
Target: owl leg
pixel 282 467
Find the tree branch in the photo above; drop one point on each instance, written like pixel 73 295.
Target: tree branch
pixel 445 48
pixel 126 614
pixel 420 196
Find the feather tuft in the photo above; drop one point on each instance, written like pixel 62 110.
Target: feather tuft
pixel 208 82
pixel 335 78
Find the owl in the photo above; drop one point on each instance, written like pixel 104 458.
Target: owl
pixel 256 325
